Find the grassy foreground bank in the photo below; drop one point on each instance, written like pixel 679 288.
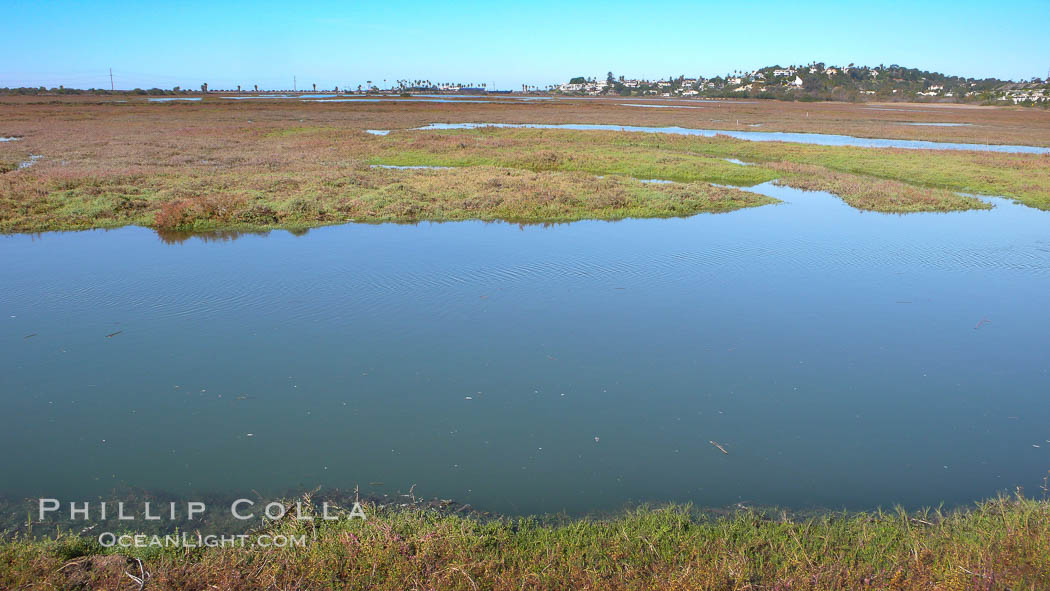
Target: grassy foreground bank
pixel 999 544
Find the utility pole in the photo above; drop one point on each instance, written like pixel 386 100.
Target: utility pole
pixel 111 79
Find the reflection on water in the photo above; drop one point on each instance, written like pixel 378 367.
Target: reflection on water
pixel 178 236
pixel 842 358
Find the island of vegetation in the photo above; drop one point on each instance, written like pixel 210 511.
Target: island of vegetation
pixel 226 165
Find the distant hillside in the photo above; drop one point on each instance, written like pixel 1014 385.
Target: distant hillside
pixel 818 81
pixel 812 82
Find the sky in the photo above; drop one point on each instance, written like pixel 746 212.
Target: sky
pixel 503 44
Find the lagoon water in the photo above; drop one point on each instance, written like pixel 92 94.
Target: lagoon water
pixel 660 106
pixel 822 139
pixel 843 359
pixel 400 167
pixel 401 100
pixel 920 124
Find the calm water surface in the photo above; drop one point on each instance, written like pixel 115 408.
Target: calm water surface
pixel 661 106
pixel 844 359
pixel 822 139
pixel 401 100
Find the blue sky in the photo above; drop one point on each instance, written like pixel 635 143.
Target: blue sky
pixel 503 43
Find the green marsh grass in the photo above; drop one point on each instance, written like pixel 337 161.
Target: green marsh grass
pixel 998 544
pixel 199 168
pixel 1022 177
pixel 355 193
